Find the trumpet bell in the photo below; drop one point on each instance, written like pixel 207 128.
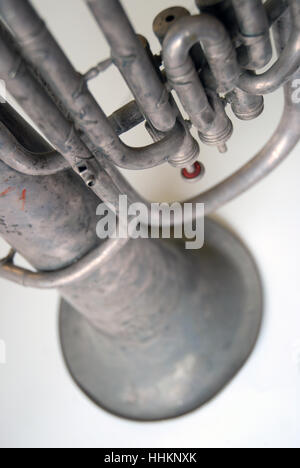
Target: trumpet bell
pixel 209 334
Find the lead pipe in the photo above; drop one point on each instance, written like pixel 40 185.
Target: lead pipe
pixel 217 47
pixel 280 145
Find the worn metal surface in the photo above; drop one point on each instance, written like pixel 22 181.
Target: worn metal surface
pixel 223 11
pixel 41 49
pixel 74 273
pixel 207 116
pixel 49 220
pixel 253 25
pixel 168 356
pixel 28 162
pixel 286 65
pixel 245 106
pixel 156 331
pixel 134 64
pixel 242 180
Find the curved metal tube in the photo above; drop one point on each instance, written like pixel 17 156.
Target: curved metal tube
pixel 183 76
pixel 285 137
pixel 283 141
pixel 61 278
pixel 217 46
pixel 23 131
pixel 283 69
pixel 25 151
pixel 26 162
pixel 181 71
pixel 274 152
pixel 40 48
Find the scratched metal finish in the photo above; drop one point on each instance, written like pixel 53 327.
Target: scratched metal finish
pixel 50 220
pixel 175 337
pixel 160 330
pixel 157 331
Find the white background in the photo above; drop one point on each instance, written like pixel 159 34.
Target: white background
pixel 39 404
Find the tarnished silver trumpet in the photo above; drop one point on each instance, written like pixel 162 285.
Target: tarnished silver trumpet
pixel 148 329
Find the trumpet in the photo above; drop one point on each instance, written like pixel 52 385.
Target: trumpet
pixel 149 330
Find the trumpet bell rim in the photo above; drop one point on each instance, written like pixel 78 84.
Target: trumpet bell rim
pixel 213 334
